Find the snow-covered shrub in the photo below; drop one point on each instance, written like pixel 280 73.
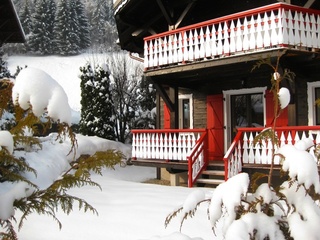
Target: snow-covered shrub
pixel 97 114
pixel 35 95
pixel 248 209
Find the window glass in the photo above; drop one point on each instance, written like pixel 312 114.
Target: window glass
pixel 186 113
pixel 246 111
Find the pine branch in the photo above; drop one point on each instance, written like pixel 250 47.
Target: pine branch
pixel 10 233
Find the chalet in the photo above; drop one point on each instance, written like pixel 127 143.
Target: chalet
pixel 10 28
pixel 199 54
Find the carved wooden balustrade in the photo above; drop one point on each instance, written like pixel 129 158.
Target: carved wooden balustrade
pixel 189 145
pixel 270 27
pixel 243 151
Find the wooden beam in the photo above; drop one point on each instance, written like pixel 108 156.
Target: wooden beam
pixel 164 95
pixel 174 115
pixel 182 16
pixel 285 1
pixel 165 12
pixel 309 3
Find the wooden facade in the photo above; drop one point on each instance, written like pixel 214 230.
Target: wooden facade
pixel 203 73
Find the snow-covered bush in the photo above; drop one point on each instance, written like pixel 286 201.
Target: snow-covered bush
pixel 36 95
pixel 246 209
pixel 97 114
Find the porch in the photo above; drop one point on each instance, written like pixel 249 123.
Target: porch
pixel 188 149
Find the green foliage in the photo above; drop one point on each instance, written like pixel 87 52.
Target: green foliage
pixel 97 117
pixel 55 197
pixel 13 169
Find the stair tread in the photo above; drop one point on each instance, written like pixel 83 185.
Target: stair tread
pixel 210 181
pixel 216 163
pixel 213 172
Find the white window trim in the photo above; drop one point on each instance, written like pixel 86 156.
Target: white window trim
pixel 227 112
pixel 311 105
pixel 181 97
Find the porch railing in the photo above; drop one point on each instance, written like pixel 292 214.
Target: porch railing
pixel 189 145
pixel 273 26
pixel 242 151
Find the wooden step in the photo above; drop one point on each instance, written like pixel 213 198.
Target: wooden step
pixel 210 181
pixel 213 172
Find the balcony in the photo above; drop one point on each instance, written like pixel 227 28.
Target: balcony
pixel 178 148
pixel 261 30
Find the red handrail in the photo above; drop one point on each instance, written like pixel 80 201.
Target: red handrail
pixel 231 149
pixel 167 130
pixel 201 146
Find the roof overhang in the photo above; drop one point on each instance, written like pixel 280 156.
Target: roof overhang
pixel 11 30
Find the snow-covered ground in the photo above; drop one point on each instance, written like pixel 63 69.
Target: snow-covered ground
pixel 128 209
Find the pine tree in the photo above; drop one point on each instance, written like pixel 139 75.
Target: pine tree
pixel 96 104
pixel 84 26
pixel 99 33
pixel 26 22
pixel 4 71
pixel 61 29
pixel 41 39
pixel 67 28
pixel 25 18
pixel 74 29
pixel 51 14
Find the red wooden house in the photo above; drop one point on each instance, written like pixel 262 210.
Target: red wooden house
pixel 199 54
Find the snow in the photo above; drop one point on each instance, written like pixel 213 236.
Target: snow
pixel 251 222
pixel 304 223
pixel 37 90
pixel 129 209
pixel 228 195
pixel 192 201
pixel 294 159
pixel 284 97
pixel 6 140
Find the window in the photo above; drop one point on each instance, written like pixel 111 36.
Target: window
pixel 185 111
pixel 243 108
pixel 313 109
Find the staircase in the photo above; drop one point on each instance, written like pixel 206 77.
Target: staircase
pixel 212 176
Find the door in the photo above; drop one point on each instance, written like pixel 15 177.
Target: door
pixel 249 108
pixel 215 127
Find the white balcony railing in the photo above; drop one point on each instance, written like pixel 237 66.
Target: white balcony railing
pixel 184 145
pixel 243 151
pixel 274 26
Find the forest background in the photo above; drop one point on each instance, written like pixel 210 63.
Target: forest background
pixel 65 27
pixel 115 97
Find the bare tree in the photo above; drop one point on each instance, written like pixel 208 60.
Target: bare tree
pixel 126 75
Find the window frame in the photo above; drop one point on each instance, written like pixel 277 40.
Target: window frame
pixel 311 86
pixel 181 98
pixel 227 106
